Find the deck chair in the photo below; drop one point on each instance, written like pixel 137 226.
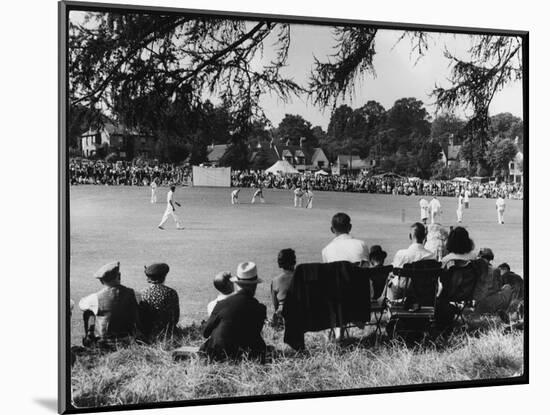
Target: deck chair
pixel 420 281
pixel 379 300
pixel 458 285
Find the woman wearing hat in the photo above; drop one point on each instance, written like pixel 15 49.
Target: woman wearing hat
pixel 235 325
pixel 159 306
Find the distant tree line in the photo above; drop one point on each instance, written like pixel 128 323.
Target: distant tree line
pixel 156 73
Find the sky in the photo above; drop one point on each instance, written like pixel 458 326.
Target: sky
pixel 398 73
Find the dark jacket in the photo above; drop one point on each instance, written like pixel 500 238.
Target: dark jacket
pixel 117 314
pixel 322 296
pixel 235 327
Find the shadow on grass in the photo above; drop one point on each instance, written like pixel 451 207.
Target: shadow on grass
pixel 48 403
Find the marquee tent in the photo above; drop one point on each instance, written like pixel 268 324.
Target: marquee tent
pixel 282 167
pixel 461 180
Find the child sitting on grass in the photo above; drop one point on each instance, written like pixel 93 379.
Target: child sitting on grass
pixel 223 284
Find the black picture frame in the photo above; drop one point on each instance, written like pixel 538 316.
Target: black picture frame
pixel 64 369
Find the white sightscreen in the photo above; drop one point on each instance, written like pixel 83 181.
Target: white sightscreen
pixel 212 176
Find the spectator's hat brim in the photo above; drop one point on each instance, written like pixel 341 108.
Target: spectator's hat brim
pixel 247 274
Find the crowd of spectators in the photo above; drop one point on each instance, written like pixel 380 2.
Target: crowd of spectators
pixel 125 173
pixel 370 184
pixel 128 174
pixel 236 317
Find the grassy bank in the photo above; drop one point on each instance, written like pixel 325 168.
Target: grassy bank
pixel 142 374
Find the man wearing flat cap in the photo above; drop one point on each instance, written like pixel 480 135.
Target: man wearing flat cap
pixel 115 307
pixel 234 328
pixel 159 307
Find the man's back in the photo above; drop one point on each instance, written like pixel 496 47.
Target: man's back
pixel 117 311
pixel 435 206
pixel 235 324
pixel 345 248
pixel 415 252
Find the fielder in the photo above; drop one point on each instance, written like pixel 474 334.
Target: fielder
pixel 435 210
pixel 424 210
pixel 467 199
pixel 501 206
pixel 170 209
pixel 460 208
pixel 154 191
pixel 235 196
pixel 298 196
pixel 309 198
pixel 258 193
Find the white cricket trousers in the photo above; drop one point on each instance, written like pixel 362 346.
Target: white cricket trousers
pixel 500 213
pixel 254 199
pixel 434 216
pixel 297 201
pixel 234 200
pixel 459 213
pixel 169 211
pixel 153 196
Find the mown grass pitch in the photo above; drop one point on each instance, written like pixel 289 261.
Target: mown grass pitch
pixel 120 224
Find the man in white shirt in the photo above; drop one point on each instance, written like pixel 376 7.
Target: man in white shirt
pixel 460 208
pixel 415 252
pixel 258 193
pixel 501 206
pixel 154 191
pixel 298 195
pixel 170 209
pixel 467 198
pixel 235 196
pixel 435 210
pixel 424 210
pixel 344 247
pixel 309 198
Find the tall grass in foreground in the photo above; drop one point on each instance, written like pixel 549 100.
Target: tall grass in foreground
pixel 141 374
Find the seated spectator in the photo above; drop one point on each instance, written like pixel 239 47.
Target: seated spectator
pixel 459 247
pixel 159 306
pixel 489 279
pixel 414 253
pixel 115 308
pixel 235 325
pixel 512 279
pixel 436 240
pixel 279 287
pixel 344 247
pixel 222 283
pixel 516 284
pixel 377 256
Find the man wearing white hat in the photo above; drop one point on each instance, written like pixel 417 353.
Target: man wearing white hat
pixel 235 326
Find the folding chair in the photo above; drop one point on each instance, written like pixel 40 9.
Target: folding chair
pixel 459 282
pixel 379 300
pixel 420 282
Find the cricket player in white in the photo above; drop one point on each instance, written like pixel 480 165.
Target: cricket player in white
pixel 467 198
pixel 258 193
pixel 170 209
pixel 298 195
pixel 424 210
pixel 235 196
pixel 435 209
pixel 501 206
pixel 460 208
pixel 154 191
pixel 309 198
